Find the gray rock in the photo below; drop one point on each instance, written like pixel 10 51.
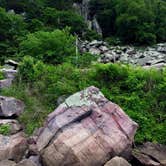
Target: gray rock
pixel 26 162
pixel 36 160
pixel 94 51
pixel 9 73
pixel 117 161
pixel 7 163
pixel 6 83
pixel 161 48
pixel 12 63
pixel 10 106
pixel 150 154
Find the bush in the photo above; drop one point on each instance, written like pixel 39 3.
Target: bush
pixel 50 47
pixel 4 129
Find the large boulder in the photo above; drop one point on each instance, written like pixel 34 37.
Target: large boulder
pixel 150 154
pixel 86 130
pixel 117 161
pixel 10 106
pixel 12 147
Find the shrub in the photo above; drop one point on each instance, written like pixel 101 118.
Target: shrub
pixel 4 129
pixel 50 47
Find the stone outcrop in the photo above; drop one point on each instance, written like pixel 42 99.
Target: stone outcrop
pixel 7 163
pixel 117 161
pixel 12 147
pixel 87 129
pixel 150 154
pixel 82 8
pixel 10 106
pixel 14 125
pixel 9 71
pixel 149 57
pixel 26 162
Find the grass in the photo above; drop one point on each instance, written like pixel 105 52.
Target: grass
pixel 5 129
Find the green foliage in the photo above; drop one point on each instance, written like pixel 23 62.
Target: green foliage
pixel 141 93
pixel 4 129
pixel 1 75
pixel 60 19
pixel 140 22
pixel 82 60
pixel 51 47
pixel 12 26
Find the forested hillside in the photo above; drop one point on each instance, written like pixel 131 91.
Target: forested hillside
pixel 140 22
pixel 59 53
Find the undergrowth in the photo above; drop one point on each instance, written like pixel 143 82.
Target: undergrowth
pixel 141 93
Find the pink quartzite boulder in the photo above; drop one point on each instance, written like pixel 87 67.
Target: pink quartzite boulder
pixel 86 130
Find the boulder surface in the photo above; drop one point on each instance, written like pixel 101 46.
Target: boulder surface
pixel 86 130
pixel 14 125
pixel 12 147
pixel 117 161
pixel 150 154
pixel 10 106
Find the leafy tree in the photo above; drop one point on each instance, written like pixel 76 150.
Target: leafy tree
pixel 51 47
pixel 12 26
pixel 60 19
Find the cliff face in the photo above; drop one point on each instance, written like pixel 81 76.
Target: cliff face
pixel 83 9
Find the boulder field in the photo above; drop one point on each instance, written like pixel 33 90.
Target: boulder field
pixel 146 57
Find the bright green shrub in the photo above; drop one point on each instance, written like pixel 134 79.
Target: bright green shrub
pixel 4 129
pixel 50 47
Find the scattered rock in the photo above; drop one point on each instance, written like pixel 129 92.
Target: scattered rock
pixel 12 63
pixel 36 160
pixel 10 106
pixel 127 54
pixel 9 73
pixel 26 162
pixel 86 129
pixel 6 83
pixel 12 147
pixel 150 154
pixel 161 48
pixel 14 125
pixel 7 163
pixel 117 161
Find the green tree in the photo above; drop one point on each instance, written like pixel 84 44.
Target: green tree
pixel 60 19
pixel 51 47
pixel 12 26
